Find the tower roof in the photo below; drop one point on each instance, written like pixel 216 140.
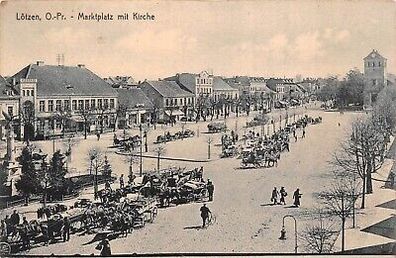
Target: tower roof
pixel 374 55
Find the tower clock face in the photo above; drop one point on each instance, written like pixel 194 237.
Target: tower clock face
pixel 372 55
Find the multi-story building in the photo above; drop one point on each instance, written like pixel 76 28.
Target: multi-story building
pixel 9 105
pixel 375 76
pixel 170 101
pixel 205 84
pixel 134 107
pixel 57 99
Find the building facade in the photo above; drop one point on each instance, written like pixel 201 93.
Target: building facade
pixel 134 108
pixel 170 101
pixel 9 105
pixel 60 99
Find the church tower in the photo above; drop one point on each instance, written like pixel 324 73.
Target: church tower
pixel 375 75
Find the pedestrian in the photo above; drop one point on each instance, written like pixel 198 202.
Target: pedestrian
pixel 4 232
pixel 303 134
pixel 339 124
pixel 122 181
pixel 297 196
pixel 104 247
pixel 45 232
pixel 204 214
pixel 15 219
pixel 392 179
pixel 283 194
pixel 66 229
pixel 210 187
pixel 274 196
pixel 98 135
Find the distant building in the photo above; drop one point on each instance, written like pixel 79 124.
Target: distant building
pixel 123 82
pixel 171 102
pixel 205 84
pixel 9 104
pixel 136 107
pixel 59 96
pixel 375 76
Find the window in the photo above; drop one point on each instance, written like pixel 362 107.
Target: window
pixel 58 105
pixel 42 106
pixel 67 104
pixel 23 93
pixel 106 103
pixel 74 104
pixel 87 104
pixel 10 111
pixel 100 103
pixel 93 103
pixel 166 102
pixel 32 92
pixel 111 103
pixel 197 81
pixel 379 64
pixel 374 82
pixel 80 104
pixel 50 105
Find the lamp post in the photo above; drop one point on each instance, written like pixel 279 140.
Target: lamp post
pixel 283 231
pixel 141 150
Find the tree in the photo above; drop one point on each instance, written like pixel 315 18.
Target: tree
pixel 29 182
pixel 159 150
pixel 27 116
pixel 106 168
pixel 63 116
pixel 86 115
pixel 319 236
pixel 121 112
pixel 385 108
pixel 339 201
pixel 328 92
pixel 96 162
pixel 361 155
pixel 351 90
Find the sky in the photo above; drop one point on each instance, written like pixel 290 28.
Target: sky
pixel 255 38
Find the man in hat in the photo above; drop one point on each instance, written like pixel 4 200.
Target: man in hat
pixel 204 214
pixel 210 188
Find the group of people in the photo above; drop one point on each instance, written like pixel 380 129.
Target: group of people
pixel 278 196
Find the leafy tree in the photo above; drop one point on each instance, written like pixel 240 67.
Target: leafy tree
pixel 27 116
pixel 29 182
pixel 328 92
pixel 351 90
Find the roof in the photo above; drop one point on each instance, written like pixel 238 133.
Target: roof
pixel 133 98
pixel 6 90
pixel 220 84
pixel 117 81
pixel 374 55
pixel 55 80
pixel 185 80
pixel 169 89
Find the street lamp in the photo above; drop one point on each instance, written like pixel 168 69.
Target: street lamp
pixel 141 150
pixel 283 231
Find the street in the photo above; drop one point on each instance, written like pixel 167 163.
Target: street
pixel 245 220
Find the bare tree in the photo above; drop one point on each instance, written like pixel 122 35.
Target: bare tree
pixel 339 200
pixel 159 150
pixel 319 236
pixel 362 154
pixel 96 160
pixel 121 112
pixel 86 115
pixel 63 116
pixel 209 140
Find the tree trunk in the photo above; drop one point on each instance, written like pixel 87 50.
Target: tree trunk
pixel 85 130
pixel 343 235
pixel 363 192
pixel 369 183
pixel 158 162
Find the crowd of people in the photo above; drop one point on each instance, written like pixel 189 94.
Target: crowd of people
pixel 279 197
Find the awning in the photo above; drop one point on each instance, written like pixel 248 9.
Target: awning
pixel 283 102
pixel 176 112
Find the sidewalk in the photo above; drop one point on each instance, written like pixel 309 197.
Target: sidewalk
pixel 371 215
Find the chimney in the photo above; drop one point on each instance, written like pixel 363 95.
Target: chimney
pixel 40 63
pixel 81 65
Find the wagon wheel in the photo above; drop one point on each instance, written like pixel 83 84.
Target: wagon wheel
pixel 5 248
